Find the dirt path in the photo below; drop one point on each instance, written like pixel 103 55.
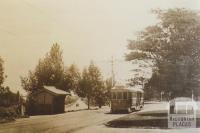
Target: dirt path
pixel 67 122
pixel 84 121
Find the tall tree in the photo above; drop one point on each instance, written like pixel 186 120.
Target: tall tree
pixel 85 89
pixel 7 97
pixel 49 71
pixel 91 84
pixel 173 44
pixel 103 92
pixel 1 72
pixel 72 77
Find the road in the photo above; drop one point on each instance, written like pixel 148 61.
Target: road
pixel 148 107
pixel 67 122
pixel 82 121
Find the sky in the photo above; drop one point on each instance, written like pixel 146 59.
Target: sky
pixel 85 29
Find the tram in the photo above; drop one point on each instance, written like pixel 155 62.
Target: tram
pixel 126 98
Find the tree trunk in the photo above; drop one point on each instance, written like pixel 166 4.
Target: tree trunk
pixel 88 98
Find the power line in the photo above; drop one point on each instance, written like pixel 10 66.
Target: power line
pixel 41 11
pixel 8 32
pixel 29 4
pixel 108 61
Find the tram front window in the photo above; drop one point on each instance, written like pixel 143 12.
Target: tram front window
pixel 114 96
pixel 125 95
pixel 134 95
pixel 119 95
pixel 129 95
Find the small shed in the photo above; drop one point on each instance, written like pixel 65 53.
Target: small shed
pixel 50 100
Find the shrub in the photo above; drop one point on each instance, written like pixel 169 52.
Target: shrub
pixel 9 113
pixel 70 100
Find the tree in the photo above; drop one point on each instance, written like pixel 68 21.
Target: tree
pixel 72 77
pixel 84 89
pixel 108 85
pixel 7 97
pixel 49 71
pixel 1 72
pixel 91 84
pixel 30 83
pixel 173 45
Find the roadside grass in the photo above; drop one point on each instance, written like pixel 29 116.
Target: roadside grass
pixel 150 119
pixel 145 120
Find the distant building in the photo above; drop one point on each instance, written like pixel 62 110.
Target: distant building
pixel 49 100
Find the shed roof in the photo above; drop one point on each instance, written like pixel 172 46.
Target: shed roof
pixel 55 91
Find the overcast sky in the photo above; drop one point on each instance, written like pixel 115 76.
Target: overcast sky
pixel 85 29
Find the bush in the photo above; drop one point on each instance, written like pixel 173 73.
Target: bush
pixel 70 99
pixel 6 112
pixel 9 113
pixel 8 98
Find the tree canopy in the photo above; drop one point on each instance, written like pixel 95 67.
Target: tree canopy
pixel 91 85
pixel 49 71
pixel 72 77
pixel 174 46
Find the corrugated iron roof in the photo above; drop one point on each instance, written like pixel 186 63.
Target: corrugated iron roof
pixel 56 91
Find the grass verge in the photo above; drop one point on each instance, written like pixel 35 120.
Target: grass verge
pixel 146 120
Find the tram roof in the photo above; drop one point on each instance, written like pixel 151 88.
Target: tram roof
pixel 127 88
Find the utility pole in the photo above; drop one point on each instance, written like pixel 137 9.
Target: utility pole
pixel 112 71
pixel 161 95
pixel 192 95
